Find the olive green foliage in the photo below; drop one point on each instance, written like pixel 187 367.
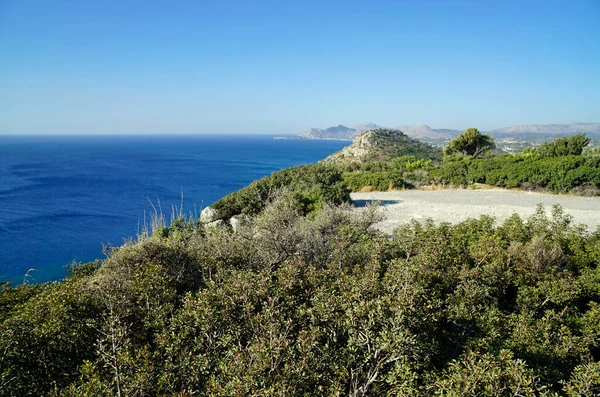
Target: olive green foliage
pixel 571 146
pixel 294 305
pixel 377 180
pixel 470 142
pixel 400 172
pixel 565 165
pixel 561 166
pixel 591 156
pixel 310 186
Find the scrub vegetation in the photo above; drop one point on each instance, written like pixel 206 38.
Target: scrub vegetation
pixel 317 305
pixel 304 298
pixel 563 166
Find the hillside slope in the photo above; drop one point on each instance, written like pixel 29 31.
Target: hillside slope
pixel 382 145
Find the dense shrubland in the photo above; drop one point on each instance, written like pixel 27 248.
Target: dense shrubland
pixel 317 305
pixel 401 172
pixel 388 144
pixel 563 166
pixel 306 299
pixel 308 186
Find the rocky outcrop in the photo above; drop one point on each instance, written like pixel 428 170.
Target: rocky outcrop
pixel 209 215
pixel 382 145
pixel 237 221
pixel 219 224
pixel 355 152
pixel 212 218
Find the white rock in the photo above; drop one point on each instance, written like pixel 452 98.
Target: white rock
pixel 209 215
pixel 237 221
pixel 218 224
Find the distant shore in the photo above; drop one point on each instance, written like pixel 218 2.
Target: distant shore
pixel 301 138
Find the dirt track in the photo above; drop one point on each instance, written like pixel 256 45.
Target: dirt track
pixel 455 206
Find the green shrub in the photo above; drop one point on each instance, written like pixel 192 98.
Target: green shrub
pixel 559 174
pixel 310 186
pixel 378 180
pixel 571 146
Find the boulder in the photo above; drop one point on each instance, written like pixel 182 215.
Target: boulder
pixel 209 214
pixel 218 224
pixel 237 221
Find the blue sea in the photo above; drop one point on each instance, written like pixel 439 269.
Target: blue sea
pixel 63 197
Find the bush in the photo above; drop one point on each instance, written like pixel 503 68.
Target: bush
pixel 558 174
pixel 571 146
pixel 310 186
pixel 378 180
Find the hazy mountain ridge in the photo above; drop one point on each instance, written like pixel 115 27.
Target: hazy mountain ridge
pixel 349 133
pixel 339 131
pixel 424 131
pixel 572 128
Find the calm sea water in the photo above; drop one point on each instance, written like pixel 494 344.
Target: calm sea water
pixel 62 197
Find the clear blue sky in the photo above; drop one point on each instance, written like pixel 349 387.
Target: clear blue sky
pixel 284 66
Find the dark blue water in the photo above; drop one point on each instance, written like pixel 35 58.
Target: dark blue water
pixel 62 197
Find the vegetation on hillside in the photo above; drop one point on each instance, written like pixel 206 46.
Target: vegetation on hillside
pixel 390 144
pixel 308 187
pixel 318 305
pixel 305 299
pixel 560 166
pixel 382 145
pixel 563 166
pixel 401 172
pixel 471 142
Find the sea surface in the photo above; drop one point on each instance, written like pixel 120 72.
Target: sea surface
pixel 63 197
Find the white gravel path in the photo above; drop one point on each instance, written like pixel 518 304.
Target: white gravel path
pixel 456 205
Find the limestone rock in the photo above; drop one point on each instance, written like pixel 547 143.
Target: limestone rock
pixel 382 145
pixel 209 215
pixel 237 221
pixel 218 224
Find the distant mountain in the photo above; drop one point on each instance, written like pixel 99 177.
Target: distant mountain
pixel 425 131
pixel 573 128
pixel 440 136
pixel 343 132
pixel 382 145
pixel 366 127
pixel 338 132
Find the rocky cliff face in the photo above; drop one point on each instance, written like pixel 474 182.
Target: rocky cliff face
pixel 356 152
pixel 382 145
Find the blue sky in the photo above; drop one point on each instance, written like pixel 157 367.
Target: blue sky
pixel 282 66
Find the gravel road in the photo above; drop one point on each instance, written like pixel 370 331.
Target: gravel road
pixel 456 205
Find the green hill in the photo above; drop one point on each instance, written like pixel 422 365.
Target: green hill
pixel 383 145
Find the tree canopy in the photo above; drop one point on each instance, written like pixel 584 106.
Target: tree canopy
pixel 470 142
pixel 570 146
